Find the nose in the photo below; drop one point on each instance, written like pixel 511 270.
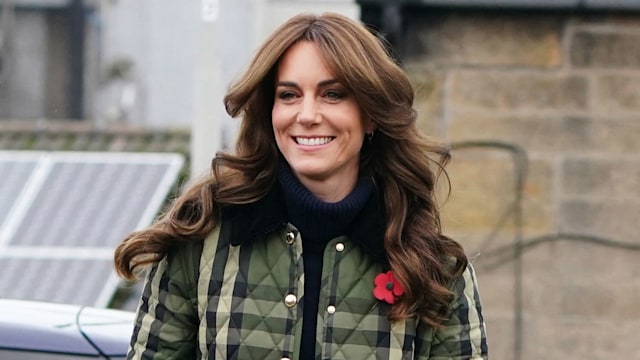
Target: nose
pixel 308 112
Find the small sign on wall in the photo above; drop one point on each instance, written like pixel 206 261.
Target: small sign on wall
pixel 210 10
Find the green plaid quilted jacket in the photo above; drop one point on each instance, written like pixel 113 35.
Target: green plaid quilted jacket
pixel 239 295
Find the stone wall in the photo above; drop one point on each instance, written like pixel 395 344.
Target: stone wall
pixel 562 89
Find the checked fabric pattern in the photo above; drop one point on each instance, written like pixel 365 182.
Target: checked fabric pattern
pixel 216 300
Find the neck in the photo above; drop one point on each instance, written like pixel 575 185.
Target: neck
pixel 332 189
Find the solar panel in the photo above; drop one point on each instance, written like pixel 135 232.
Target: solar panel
pixel 63 213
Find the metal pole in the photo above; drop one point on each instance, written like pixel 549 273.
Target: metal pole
pixel 206 130
pixel 226 36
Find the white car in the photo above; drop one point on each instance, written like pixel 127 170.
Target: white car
pixel 32 330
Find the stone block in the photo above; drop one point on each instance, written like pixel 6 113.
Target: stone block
pixel 607 178
pixel 542 292
pixel 600 283
pixel 602 265
pixel 609 219
pixel 549 134
pixel 516 91
pixel 545 277
pixel 479 194
pixel 534 133
pixel 611 49
pixel 598 289
pixel 614 135
pixel 500 337
pixel 428 100
pixel 618 93
pixel 579 339
pixel 484 191
pixel 486 39
pixel 495 287
pixel 619 302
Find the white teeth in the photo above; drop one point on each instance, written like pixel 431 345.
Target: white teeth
pixel 313 141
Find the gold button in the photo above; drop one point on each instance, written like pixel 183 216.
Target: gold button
pixel 331 309
pixel 291 237
pixel 339 247
pixel 290 300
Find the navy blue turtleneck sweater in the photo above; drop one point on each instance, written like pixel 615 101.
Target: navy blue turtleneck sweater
pixel 318 223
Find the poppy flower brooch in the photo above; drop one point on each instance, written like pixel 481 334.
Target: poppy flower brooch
pixel 387 287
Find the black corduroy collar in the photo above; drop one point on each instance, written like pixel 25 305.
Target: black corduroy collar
pixel 246 223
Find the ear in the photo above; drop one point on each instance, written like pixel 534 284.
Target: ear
pixel 370 127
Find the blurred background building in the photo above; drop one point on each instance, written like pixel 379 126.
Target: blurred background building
pixel 540 100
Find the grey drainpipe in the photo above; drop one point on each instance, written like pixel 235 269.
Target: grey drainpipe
pixel 77 20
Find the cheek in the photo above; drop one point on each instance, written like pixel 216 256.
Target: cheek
pixel 279 118
pixel 278 127
pixel 274 117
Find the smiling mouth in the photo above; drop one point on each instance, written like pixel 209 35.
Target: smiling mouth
pixel 313 141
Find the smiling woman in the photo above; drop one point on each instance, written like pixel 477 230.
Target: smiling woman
pixel 317 124
pixel 319 238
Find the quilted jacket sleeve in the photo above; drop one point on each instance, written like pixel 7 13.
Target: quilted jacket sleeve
pixel 463 336
pixel 166 320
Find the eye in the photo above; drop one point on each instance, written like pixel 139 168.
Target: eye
pixel 286 95
pixel 335 95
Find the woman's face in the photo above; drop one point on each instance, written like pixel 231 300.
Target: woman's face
pixel 317 123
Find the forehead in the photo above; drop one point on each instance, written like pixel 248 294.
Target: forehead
pixel 303 60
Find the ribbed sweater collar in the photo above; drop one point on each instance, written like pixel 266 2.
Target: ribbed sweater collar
pixel 317 220
pixel 244 224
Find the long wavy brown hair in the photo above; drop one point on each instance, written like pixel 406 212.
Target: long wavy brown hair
pixel 403 163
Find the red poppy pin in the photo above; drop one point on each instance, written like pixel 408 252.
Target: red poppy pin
pixel 387 287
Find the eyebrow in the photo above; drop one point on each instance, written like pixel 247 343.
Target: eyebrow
pixel 320 84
